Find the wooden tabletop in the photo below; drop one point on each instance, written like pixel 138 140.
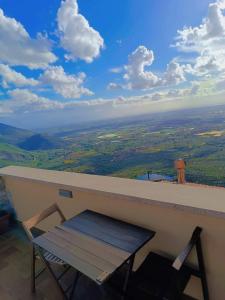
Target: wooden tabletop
pixel 94 244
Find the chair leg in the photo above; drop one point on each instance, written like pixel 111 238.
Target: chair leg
pixel 60 289
pixel 63 273
pixel 33 259
pixel 77 276
pixel 202 270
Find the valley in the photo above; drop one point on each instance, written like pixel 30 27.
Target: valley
pixel 130 148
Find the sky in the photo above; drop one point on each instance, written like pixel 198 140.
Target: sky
pixel 73 61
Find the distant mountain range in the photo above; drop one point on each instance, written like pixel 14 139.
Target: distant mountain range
pixel 28 140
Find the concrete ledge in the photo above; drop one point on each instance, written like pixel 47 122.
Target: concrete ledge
pixel 193 198
pixel 172 210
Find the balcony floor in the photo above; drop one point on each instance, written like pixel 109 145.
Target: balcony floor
pixel 15 275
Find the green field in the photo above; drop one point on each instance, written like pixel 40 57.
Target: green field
pixel 131 148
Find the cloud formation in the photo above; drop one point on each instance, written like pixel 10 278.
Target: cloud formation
pixel 207 41
pixel 116 70
pixel 114 86
pixel 25 101
pixel 28 108
pixel 10 76
pixel 17 48
pixel 175 74
pixel 201 74
pixel 77 37
pixel 136 75
pixel 68 86
pixel 138 78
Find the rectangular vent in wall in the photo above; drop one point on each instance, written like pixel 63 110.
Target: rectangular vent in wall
pixel 65 193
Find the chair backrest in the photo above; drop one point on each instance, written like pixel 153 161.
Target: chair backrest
pixel 36 219
pixel 182 257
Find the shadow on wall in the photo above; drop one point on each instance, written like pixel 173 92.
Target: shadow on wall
pixel 7 213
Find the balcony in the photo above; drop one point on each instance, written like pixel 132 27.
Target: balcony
pixel 172 210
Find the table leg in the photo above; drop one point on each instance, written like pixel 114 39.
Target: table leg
pixel 127 276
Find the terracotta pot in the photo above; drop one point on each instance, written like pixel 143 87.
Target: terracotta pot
pixel 4 223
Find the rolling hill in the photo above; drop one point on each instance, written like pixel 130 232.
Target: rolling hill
pixel 40 142
pixel 13 135
pixel 28 140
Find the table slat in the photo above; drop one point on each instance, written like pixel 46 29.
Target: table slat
pixel 82 254
pixel 105 251
pixel 84 267
pixel 120 234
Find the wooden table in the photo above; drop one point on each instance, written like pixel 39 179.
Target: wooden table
pixel 95 245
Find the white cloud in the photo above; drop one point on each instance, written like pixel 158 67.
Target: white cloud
pixel 161 96
pixel 174 74
pixel 28 109
pixel 10 76
pixel 207 41
pixel 18 48
pixel 69 86
pixel 136 75
pixel 221 3
pixel 77 37
pixel 24 101
pixel 220 84
pixel 195 88
pixel 212 29
pixel 116 70
pixel 114 86
pixel 174 93
pixel 206 64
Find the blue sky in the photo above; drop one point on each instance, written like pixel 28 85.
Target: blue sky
pixel 74 60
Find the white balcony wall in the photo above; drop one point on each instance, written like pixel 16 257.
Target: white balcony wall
pixel 171 210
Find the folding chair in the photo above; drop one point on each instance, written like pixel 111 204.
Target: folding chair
pixel 46 257
pixel 162 278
